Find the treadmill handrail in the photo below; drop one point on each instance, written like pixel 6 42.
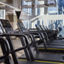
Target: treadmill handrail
pixel 16 50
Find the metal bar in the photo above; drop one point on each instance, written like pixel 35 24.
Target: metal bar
pixel 40 6
pixel 4 50
pixel 11 48
pixel 25 50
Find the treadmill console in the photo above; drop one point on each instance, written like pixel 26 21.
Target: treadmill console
pixel 6 25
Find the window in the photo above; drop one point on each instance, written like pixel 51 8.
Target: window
pixel 2 14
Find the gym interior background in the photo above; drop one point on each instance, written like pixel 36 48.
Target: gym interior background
pixel 31 9
pixel 49 13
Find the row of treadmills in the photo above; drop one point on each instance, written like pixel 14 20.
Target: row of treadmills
pixel 40 45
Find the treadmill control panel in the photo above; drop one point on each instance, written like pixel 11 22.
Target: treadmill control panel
pixel 6 25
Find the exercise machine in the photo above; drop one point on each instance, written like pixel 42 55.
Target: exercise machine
pixel 29 58
pixel 51 44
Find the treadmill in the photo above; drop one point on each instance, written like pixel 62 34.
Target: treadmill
pixel 55 44
pixel 40 57
pixel 50 45
pixel 44 56
pixel 37 59
pixel 7 32
pixel 2 58
pixel 50 33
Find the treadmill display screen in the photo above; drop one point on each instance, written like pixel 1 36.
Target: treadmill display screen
pixel 6 24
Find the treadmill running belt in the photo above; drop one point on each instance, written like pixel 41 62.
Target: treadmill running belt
pixel 47 57
pixel 38 62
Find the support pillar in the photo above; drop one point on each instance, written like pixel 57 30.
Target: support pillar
pixel 45 8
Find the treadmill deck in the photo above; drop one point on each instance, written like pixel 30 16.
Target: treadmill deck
pixel 43 62
pixel 42 56
pixel 55 45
